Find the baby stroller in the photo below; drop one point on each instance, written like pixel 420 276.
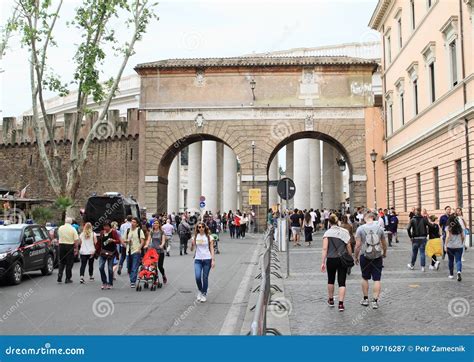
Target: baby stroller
pixel 148 272
pixel 215 238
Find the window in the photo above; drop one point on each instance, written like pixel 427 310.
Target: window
pixel 393 193
pixel 389 113
pixel 400 85
pixel 429 3
pixel 31 160
pixel 432 82
pixel 429 54
pixel 412 12
pixel 418 188
pixel 436 187
pixel 389 49
pixel 400 39
pixel 459 194
pixel 415 96
pixel 402 108
pixel 413 74
pixel 405 202
pixel 131 154
pixel 453 63
pixel 450 35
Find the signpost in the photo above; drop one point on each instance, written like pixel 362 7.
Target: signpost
pixel 286 190
pixel 255 197
pixel 202 205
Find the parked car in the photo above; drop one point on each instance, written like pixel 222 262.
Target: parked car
pixel 111 206
pixel 25 248
pixel 53 235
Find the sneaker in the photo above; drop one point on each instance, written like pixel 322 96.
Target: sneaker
pixel 375 304
pixel 91 278
pixel 364 302
pixel 341 307
pixel 331 302
pixel 437 263
pixel 199 297
pixel 82 281
pixel 165 279
pixel 132 285
pixel 203 298
pixel 119 271
pixel 431 267
pixel 104 286
pixel 68 281
pixel 451 276
pixel 60 279
pixel 411 267
pixel 423 269
pixel 109 286
pixel 459 277
pixel 462 259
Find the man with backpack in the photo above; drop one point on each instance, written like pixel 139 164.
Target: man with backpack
pixel 184 232
pixel 418 231
pixel 135 241
pixel 371 248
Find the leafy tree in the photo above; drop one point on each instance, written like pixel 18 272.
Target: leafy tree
pixel 42 215
pixel 63 203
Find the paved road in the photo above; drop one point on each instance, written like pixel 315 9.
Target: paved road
pixel 412 302
pixel 40 305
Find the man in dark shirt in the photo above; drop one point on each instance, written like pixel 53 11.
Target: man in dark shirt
pixel 443 222
pixel 418 229
pixel 296 221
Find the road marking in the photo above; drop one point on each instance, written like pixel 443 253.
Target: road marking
pixel 233 315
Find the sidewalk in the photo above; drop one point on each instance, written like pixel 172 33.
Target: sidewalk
pixel 411 302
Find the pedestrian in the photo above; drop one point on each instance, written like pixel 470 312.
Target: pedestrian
pixel 336 242
pixel 168 230
pixel 313 215
pixel 464 228
pixel 296 223
pixel 412 213
pixel 108 241
pixel 418 234
pixel 434 242
pixel 68 245
pixel 393 225
pixel 123 250
pixel 157 240
pixel 371 248
pixel 115 226
pixel 345 224
pixel 135 241
pixel 231 222
pixel 326 214
pixel 270 218
pixel 87 244
pixel 243 225
pixel 203 259
pixel 308 227
pixel 443 223
pixel 385 223
pixel 454 246
pixel 184 233
pixel 224 222
pixel 237 218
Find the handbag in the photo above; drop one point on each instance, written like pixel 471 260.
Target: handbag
pixel 346 259
pixel 107 254
pixel 434 247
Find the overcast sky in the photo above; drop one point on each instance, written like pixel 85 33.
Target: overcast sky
pixel 191 28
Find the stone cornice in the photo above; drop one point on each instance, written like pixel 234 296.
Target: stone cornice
pixel 379 13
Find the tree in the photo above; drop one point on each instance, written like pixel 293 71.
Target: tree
pixel 42 215
pixel 36 21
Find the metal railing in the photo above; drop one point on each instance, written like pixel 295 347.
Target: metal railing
pixel 267 261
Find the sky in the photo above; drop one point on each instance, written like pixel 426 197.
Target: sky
pixel 194 29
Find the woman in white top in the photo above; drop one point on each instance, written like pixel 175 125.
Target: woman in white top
pixel 87 241
pixel 203 259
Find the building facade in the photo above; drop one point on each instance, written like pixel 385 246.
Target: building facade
pixel 428 86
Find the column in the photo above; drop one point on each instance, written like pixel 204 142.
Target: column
pixel 289 168
pixel 209 174
pixel 301 173
pixel 229 193
pixel 329 161
pixel 272 176
pixel 338 190
pixel 173 186
pixel 220 176
pixel 315 173
pixel 194 175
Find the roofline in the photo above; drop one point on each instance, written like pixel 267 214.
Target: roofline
pixel 379 13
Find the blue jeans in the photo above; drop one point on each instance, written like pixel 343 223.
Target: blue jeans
pixel 110 271
pixel 134 263
pixel 418 244
pixel 455 254
pixel 202 268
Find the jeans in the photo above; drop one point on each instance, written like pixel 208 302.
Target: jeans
pixel 455 254
pixel 183 244
pixel 134 263
pixel 66 260
pixel 202 268
pixel 232 231
pixel 110 271
pixel 123 255
pixel 389 237
pixel 161 261
pixel 87 259
pixel 418 244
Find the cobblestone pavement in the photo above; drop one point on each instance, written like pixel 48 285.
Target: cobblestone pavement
pixel 412 302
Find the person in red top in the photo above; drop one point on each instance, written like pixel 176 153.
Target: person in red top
pixel 237 218
pixel 109 238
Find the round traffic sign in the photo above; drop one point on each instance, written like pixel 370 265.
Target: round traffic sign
pixel 202 204
pixel 286 188
pixel 202 198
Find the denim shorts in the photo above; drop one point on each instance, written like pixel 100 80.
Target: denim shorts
pixel 371 268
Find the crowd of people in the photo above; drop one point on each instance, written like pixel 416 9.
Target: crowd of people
pixel 363 238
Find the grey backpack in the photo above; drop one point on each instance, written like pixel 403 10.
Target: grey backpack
pixel 373 246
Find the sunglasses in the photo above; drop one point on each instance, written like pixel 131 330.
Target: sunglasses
pixel 201 227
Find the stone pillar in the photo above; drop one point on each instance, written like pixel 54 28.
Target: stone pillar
pixel 273 175
pixel 289 168
pixel 194 175
pixel 301 173
pixel 209 174
pixel 229 191
pixel 329 162
pixel 315 173
pixel 338 190
pixel 173 186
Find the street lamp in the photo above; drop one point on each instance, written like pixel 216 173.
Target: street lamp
pixel 373 157
pixel 253 164
pixel 342 164
pixel 252 86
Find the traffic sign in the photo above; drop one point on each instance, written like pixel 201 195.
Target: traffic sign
pixel 202 204
pixel 202 198
pixel 255 197
pixel 286 188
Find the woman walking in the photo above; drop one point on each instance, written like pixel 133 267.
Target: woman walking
pixel 433 238
pixel 230 221
pixel 243 225
pixel 346 225
pixel 157 240
pixel 454 246
pixel 308 227
pixel 87 243
pixel 203 259
pixel 108 251
pixel 464 228
pixel 237 218
pixel 336 242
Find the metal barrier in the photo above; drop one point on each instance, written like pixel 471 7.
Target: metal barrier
pixel 259 323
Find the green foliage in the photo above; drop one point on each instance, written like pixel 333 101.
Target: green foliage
pixel 42 215
pixel 63 203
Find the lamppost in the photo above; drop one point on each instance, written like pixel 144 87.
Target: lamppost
pixel 253 164
pixel 252 86
pixel 342 164
pixel 373 157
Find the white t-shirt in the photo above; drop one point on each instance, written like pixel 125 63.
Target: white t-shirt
pixel 313 216
pixel 87 245
pixel 202 247
pixel 326 214
pixel 168 229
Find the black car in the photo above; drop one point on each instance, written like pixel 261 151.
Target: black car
pixel 24 248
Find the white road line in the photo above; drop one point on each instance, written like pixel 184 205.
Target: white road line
pixel 233 315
